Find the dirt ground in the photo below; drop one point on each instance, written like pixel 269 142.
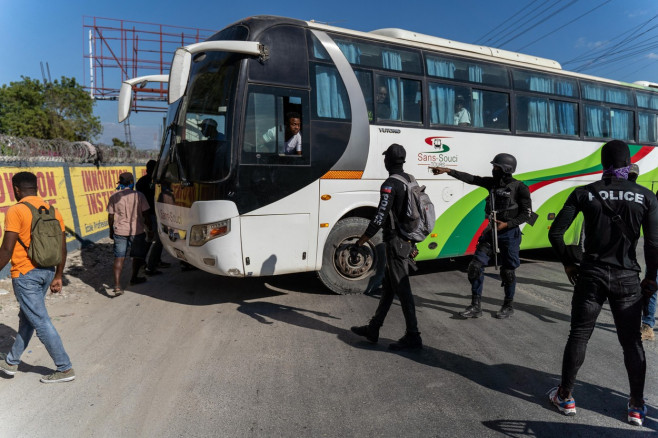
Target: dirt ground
pixel 87 271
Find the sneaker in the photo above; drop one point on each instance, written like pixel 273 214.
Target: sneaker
pixel 164 265
pixel 137 280
pixel 5 367
pixel 647 332
pixel 368 332
pixel 151 272
pixel 410 341
pixel 636 415
pixel 567 407
pixel 59 376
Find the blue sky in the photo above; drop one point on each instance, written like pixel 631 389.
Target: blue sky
pixel 569 31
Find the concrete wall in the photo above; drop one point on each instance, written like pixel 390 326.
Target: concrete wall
pixel 79 191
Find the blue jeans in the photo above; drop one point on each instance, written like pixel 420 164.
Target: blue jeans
pixel 649 313
pixel 30 290
pixel 509 242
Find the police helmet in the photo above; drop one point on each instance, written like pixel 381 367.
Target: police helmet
pixel 506 162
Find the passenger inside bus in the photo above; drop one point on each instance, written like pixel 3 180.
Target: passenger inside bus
pixel 209 130
pixel 462 116
pixel 292 139
pixel 383 106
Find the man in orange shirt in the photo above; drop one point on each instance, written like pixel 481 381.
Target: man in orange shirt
pixel 31 283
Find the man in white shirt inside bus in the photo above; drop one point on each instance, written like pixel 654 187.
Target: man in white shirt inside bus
pixel 462 116
pixel 293 138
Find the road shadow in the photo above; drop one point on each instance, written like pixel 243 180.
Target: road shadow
pixel 547 429
pixel 525 383
pixel 200 288
pixel 93 266
pixel 7 337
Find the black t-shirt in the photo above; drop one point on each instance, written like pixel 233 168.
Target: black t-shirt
pixel 605 242
pixel 144 185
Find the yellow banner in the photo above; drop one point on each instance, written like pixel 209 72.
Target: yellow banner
pixel 51 187
pixel 92 189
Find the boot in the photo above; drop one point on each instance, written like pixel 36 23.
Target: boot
pixel 474 310
pixel 506 311
pixel 370 332
pixel 410 341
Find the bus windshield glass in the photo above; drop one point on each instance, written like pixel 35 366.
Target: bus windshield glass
pixel 204 148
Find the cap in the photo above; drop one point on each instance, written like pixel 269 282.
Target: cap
pixel 395 153
pixel 126 178
pixel 615 154
pixel 634 168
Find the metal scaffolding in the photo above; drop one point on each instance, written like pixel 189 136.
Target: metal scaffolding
pixel 120 49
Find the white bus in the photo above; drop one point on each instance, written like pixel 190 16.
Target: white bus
pixel 236 204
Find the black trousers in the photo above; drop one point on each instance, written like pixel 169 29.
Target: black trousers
pixel 622 289
pixel 396 282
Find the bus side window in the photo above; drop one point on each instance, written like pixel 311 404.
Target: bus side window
pixel 411 96
pixel 491 110
pixel 365 81
pixel 273 130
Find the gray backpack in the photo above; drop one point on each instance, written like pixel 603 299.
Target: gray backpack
pixel 419 216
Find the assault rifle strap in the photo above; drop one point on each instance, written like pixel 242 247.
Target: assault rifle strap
pixel 616 219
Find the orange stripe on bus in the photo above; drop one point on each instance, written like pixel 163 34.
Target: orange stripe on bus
pixel 343 174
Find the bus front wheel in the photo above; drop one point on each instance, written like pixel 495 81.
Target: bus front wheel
pixel 343 275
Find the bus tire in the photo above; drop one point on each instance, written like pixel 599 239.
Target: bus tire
pixel 338 273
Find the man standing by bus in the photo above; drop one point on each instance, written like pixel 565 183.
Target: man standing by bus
pixel 513 207
pixel 614 209
pixel 399 254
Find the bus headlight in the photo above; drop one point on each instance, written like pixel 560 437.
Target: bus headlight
pixel 200 234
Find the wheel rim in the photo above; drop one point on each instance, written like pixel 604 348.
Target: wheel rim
pixel 364 262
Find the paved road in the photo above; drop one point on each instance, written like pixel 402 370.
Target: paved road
pixel 192 355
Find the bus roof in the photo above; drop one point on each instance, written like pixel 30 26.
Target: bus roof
pixel 409 38
pixel 481 50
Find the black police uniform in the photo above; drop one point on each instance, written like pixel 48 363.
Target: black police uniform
pixel 609 269
pixel 398 250
pixel 514 206
pixel 396 278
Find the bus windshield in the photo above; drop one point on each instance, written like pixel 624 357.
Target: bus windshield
pixel 204 123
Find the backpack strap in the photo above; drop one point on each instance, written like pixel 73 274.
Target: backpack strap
pixel 32 209
pixel 613 215
pixel 406 189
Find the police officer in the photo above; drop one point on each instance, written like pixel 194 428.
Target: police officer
pixel 513 207
pixel 399 254
pixel 609 270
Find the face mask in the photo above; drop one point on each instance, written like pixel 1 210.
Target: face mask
pixel 121 186
pixel 497 174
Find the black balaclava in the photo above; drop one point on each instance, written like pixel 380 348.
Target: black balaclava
pixel 615 154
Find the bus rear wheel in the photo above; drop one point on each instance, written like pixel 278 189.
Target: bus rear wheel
pixel 344 276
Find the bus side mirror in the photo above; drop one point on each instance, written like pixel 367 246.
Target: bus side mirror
pixel 179 74
pixel 125 97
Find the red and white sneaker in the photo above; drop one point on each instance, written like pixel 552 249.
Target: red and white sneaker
pixel 567 407
pixel 636 415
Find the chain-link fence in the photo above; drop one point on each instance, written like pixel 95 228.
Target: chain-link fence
pixel 15 149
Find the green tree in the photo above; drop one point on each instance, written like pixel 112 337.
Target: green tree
pixel 61 109
pixel 119 142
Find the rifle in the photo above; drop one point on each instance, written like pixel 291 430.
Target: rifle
pixel 494 229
